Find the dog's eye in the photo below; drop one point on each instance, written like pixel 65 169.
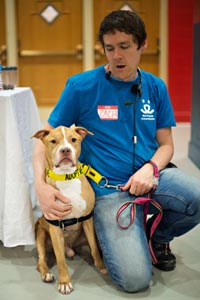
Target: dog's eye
pixel 53 141
pixel 73 140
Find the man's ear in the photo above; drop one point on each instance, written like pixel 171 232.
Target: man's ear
pixel 144 45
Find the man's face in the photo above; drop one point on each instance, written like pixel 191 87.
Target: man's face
pixel 122 54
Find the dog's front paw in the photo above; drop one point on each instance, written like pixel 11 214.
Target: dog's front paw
pixel 65 288
pixel 48 277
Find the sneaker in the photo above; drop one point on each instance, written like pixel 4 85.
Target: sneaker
pixel 166 261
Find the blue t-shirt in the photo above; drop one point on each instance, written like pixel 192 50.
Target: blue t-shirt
pixel 100 105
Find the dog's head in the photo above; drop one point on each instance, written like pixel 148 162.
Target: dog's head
pixel 63 147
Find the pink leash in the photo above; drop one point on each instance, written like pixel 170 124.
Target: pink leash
pixel 143 201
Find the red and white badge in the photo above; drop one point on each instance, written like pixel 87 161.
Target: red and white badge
pixel 108 112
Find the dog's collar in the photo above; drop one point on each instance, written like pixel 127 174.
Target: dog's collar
pixel 82 169
pixel 68 222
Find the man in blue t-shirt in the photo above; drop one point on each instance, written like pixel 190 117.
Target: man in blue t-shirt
pixel 130 114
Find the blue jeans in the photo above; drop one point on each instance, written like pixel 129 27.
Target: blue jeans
pixel 125 251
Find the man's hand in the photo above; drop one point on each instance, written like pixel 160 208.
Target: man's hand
pixel 141 182
pixel 47 196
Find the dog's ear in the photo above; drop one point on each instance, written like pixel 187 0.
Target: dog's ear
pixel 82 131
pixel 41 134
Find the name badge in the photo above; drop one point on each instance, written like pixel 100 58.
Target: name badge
pixel 108 112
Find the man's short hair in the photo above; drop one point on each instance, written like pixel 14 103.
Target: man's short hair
pixel 124 21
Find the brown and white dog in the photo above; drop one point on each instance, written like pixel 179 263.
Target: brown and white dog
pixel 63 146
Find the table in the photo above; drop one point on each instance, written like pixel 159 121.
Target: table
pixel 19 120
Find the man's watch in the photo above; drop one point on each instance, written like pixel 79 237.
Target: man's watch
pixel 155 174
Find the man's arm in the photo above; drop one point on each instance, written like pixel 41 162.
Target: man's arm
pixel 46 193
pixel 142 181
pixel 165 150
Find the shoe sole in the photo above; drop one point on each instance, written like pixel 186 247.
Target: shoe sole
pixel 166 266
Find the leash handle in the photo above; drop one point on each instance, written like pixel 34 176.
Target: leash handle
pixel 142 201
pixel 132 214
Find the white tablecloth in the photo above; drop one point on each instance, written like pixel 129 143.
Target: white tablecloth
pixel 19 120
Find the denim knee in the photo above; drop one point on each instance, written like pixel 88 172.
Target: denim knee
pixel 134 281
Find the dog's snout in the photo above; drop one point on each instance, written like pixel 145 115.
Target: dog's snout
pixel 65 150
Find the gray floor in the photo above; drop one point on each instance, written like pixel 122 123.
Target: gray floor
pixel 20 280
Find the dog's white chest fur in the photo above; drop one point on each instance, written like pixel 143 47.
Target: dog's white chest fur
pixel 72 189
